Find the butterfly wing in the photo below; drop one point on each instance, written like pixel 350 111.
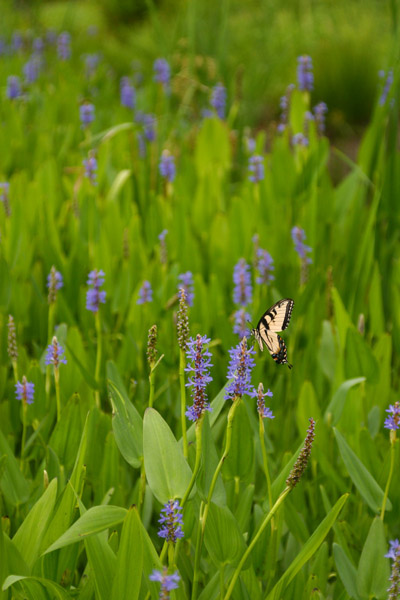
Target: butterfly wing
pixel 277 318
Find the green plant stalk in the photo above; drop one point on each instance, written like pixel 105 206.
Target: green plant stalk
pixel 23 441
pixel 142 486
pixel 151 382
pixel 197 557
pixel 265 459
pixel 389 479
pixel 50 329
pixel 98 356
pixel 58 398
pixel 222 580
pixel 182 365
pixel 15 370
pixel 255 539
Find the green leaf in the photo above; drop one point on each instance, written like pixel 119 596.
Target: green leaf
pixel 222 537
pixel 118 184
pixel 94 520
pixel 127 425
pixel 129 567
pixel 347 571
pixel 12 483
pixel 30 534
pixel 359 360
pixel 307 406
pixel 327 353
pixel 360 476
pixel 373 568
pixel 336 405
pixel 241 454
pixel 102 561
pixel 167 471
pixel 343 320
pixel 307 551
pixel 212 148
pixel 29 585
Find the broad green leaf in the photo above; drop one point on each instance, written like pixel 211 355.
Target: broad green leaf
pixel 127 426
pixel 30 533
pixel 167 471
pixel 359 360
pixel 212 148
pixel 347 571
pixel 30 586
pixel 240 459
pixel 118 184
pixel 309 548
pixel 360 476
pixel 327 353
pixel 376 312
pixel 209 462
pixel 373 568
pixel 129 567
pixel 222 537
pixel 12 483
pixel 336 405
pixel 102 561
pixel 342 318
pixel 94 520
pixel 307 407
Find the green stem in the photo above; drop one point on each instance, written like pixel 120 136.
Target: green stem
pixel 50 329
pixel 389 480
pixel 255 539
pixel 142 486
pixel 23 441
pixel 58 398
pixel 151 381
pixel 15 369
pixel 98 357
pixel 222 580
pixel 182 365
pixel 265 459
pixel 197 557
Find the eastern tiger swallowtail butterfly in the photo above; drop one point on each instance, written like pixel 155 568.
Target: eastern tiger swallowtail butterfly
pixel 275 319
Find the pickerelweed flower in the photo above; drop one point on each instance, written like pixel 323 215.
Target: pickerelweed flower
pixel 163 247
pixel 162 72
pixel 299 139
pixel 265 266
pixel 263 411
pixel 305 76
pixel 86 114
pixel 393 420
pixel 127 93
pixel 182 324
pixel 37 45
pixel 54 282
pixel 302 461
pixel 218 100
pixel 186 282
pixel 12 348
pixel 51 37
pixel 239 369
pixel 394 554
pixel 167 166
pixel 25 391
pixel 55 354
pixel 95 296
pixel 320 111
pixel 241 318
pixel 284 105
pixel 64 45
pixel 91 63
pixel 250 144
pixel 4 197
pixel 242 293
pixel 17 41
pixel 148 122
pixel 13 90
pixel 145 293
pixel 152 346
pixel 298 237
pixel 90 165
pixel 168 582
pixel 171 521
pixel 256 168
pixel 31 69
pixel 386 86
pixel 200 368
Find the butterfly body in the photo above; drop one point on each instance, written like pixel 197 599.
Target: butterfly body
pixel 275 319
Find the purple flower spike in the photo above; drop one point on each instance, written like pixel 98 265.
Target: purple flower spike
pixel 91 64
pixel 148 122
pixel 218 100
pixel 55 354
pixel 90 165
pixel 298 237
pixel 393 420
pixel 25 391
pixel 95 296
pixel 4 197
pixel 320 111
pixel 171 521
pixel 386 87
pixel 240 366
pixel 64 45
pixel 127 93
pixel 13 87
pixel 86 113
pixel 256 168
pixel 241 323
pixel 394 554
pixel 305 76
pixel 167 166
pixel 31 69
pixel 299 139
pixel 242 293
pixel 186 282
pixel 163 247
pixel 263 411
pixel 162 72
pixel 168 582
pixel 145 293
pixel 200 369
pixel 265 266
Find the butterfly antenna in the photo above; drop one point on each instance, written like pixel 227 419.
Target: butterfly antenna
pixel 290 366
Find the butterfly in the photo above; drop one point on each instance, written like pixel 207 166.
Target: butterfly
pixel 275 319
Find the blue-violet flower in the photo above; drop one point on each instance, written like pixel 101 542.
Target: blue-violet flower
pixel 218 100
pixel 55 354
pixel 263 411
pixel 145 293
pixel 25 391
pixel 265 266
pixel 394 554
pixel 305 76
pixel 393 420
pixel 186 282
pixel 127 93
pixel 240 366
pixel 64 45
pixel 167 166
pixel 13 87
pixel 200 367
pixel 168 582
pixel 95 296
pixel 171 521
pixel 256 168
pixel 86 113
pixel 242 293
pixel 241 317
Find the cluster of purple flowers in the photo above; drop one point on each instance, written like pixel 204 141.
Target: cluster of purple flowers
pixel 299 139
pixel 13 90
pixel 32 69
pixel 305 76
pixel 25 391
pixel 200 367
pixel 284 105
pixel 90 165
pixel 186 282
pixel 171 521
pixel 263 411
pixel 241 318
pixel 54 282
pixel 242 295
pixel 265 266
pixel 4 197
pixel 95 296
pixel 64 45
pixel 393 420
pixel 394 554
pixel 167 166
pixel 127 93
pixel 163 247
pixel 91 64
pixel 86 113
pixel 168 582
pixel 218 100
pixel 145 293
pixel 239 370
pixel 55 354
pixel 162 72
pixel 256 168
pixel 388 82
pixel 298 237
pixel 320 111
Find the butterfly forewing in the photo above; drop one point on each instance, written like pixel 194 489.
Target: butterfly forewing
pixel 275 319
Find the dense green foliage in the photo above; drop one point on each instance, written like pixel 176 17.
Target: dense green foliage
pixel 81 494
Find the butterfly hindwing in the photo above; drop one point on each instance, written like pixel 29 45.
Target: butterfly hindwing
pixel 275 319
